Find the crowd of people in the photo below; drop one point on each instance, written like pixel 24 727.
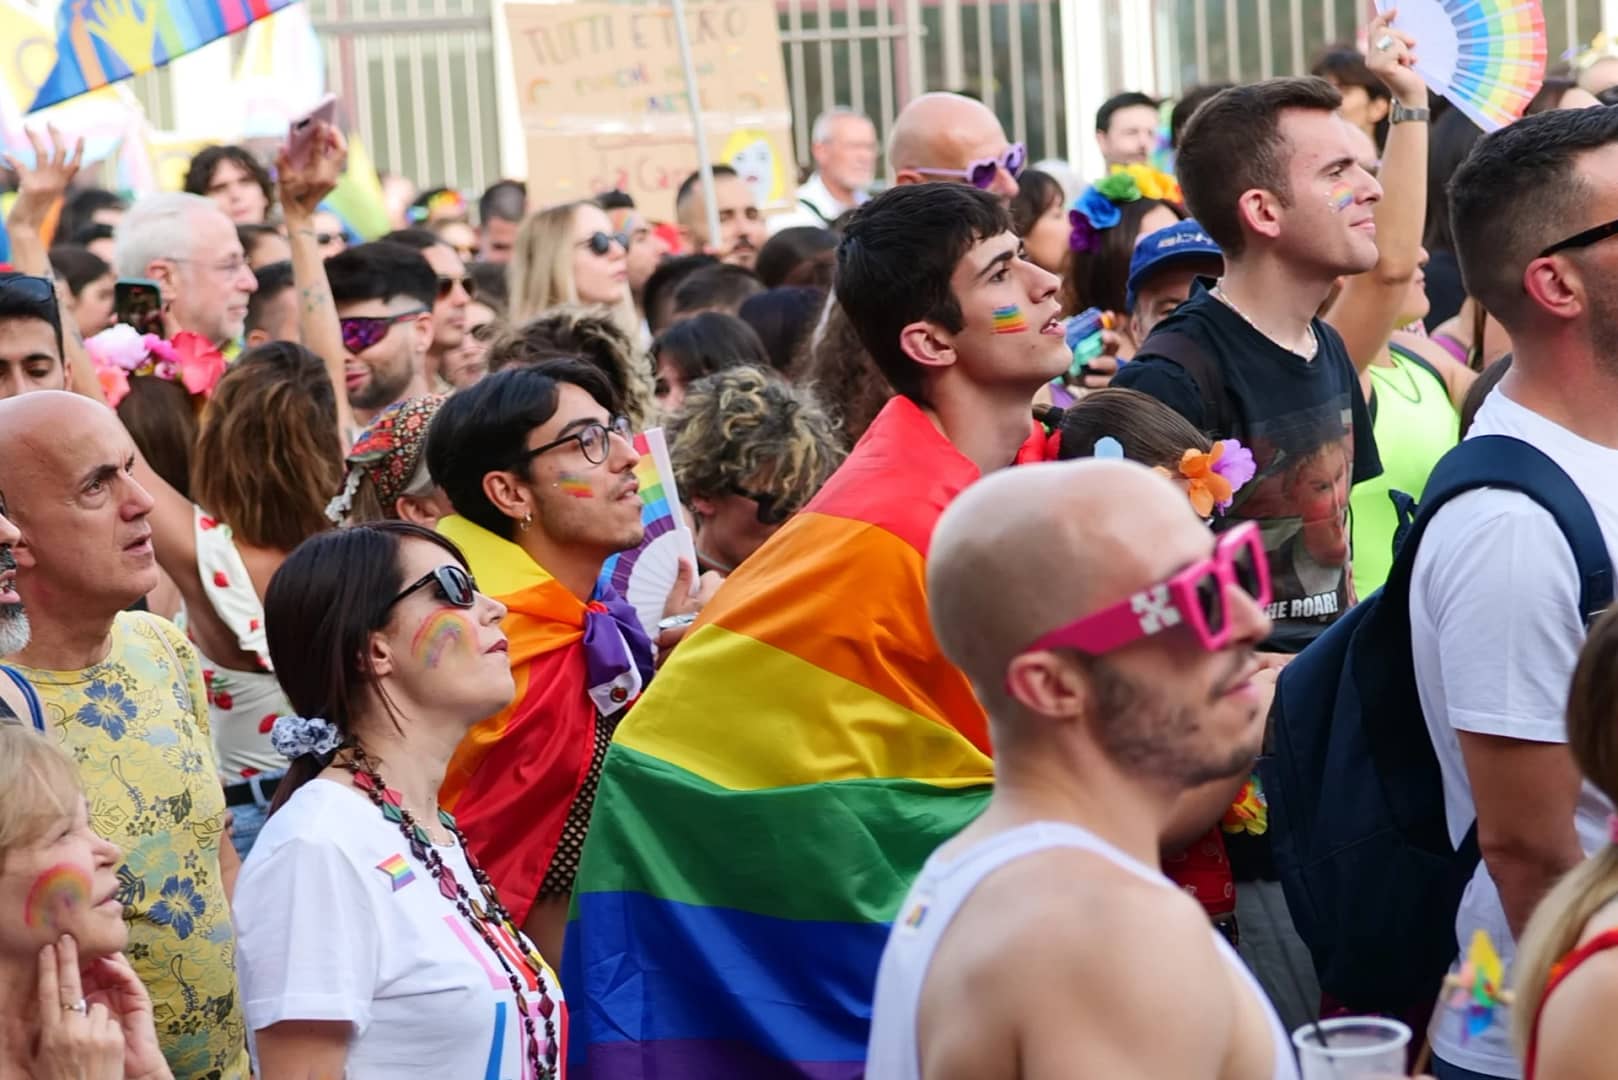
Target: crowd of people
pixel 1025 515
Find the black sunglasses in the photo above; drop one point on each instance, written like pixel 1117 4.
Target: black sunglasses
pixel 1583 239
pixel 770 510
pixel 593 441
pixel 600 243
pixel 33 290
pixel 455 586
pixel 446 285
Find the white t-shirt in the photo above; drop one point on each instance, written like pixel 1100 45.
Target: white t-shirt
pixel 335 920
pixel 1496 633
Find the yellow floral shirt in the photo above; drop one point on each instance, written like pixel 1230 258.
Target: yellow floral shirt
pixel 137 723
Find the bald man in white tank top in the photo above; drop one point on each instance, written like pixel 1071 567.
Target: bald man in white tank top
pixel 1043 942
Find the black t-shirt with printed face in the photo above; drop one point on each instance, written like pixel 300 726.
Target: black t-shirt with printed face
pixel 1306 423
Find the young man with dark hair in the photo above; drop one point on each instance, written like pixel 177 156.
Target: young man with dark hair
pixel 272 310
pixel 742 231
pixel 714 288
pixel 31 355
pixel 658 295
pixel 234 179
pixel 1494 593
pixel 384 294
pixel 1270 171
pixel 1126 128
pixel 819 640
pixel 455 292
pixel 538 464
pixel 500 212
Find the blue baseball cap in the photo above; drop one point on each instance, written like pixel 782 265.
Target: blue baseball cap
pixel 1179 242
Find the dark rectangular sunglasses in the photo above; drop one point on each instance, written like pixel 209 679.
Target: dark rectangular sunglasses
pixel 453 585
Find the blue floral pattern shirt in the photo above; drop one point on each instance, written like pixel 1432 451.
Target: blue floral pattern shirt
pixel 137 724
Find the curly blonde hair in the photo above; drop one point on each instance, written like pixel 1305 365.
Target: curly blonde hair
pixel 747 428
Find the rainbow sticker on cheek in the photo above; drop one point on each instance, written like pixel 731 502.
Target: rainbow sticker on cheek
pixel 1342 197
pixel 576 486
pixel 55 895
pixel 1009 320
pixel 442 632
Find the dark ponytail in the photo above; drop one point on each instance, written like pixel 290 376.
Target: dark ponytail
pixel 323 604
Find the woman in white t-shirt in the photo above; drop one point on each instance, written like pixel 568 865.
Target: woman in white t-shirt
pixel 369 943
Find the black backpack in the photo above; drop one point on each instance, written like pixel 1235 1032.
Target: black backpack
pixel 1357 820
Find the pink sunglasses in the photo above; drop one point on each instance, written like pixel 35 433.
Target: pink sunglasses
pixel 1194 597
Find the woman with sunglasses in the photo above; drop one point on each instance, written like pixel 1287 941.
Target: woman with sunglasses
pixel 266 463
pixel 370 942
pixel 569 254
pixel 749 450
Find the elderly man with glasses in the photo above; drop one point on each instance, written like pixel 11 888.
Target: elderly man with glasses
pixel 188 247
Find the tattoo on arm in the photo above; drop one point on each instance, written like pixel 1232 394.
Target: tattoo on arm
pixel 315 297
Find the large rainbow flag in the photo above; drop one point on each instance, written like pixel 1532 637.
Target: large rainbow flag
pixel 102 41
pixel 515 776
pixel 767 804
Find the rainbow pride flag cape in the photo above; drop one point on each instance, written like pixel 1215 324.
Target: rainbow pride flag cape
pixel 515 776
pixel 767 804
pixel 102 41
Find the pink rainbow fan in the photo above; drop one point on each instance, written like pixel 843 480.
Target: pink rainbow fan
pixel 1486 56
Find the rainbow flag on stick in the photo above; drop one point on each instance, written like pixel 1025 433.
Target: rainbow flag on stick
pixel 769 801
pixel 101 41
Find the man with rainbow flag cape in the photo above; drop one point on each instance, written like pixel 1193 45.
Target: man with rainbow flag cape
pixel 535 463
pixel 767 804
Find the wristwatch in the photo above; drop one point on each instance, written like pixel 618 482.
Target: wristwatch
pixel 1401 114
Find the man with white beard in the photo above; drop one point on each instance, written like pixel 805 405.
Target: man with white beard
pixel 17 699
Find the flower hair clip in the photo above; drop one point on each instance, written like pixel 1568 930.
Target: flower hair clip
pixel 295 736
pixel 1213 478
pixel 1151 182
pixel 121 351
pixel 1096 211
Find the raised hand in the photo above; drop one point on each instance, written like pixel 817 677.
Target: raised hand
pixel 1392 56
pixel 39 187
pixel 77 1040
pixel 305 183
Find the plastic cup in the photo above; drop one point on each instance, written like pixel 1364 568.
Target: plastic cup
pixel 1355 1048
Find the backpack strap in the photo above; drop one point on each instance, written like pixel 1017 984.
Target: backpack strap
pixel 1501 461
pixel 36 712
pixel 1193 359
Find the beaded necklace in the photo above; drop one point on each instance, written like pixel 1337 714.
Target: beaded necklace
pixel 1311 346
pixel 542 1058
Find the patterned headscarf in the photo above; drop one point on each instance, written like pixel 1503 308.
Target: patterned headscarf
pixel 388 453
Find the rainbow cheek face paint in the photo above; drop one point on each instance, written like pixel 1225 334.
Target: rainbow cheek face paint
pixel 1009 320
pixel 1342 197
pixel 575 485
pixel 444 632
pixel 55 895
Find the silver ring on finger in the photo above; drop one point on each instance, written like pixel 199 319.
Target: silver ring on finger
pixel 1384 43
pixel 78 1006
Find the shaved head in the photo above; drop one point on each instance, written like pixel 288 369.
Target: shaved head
pixel 1030 549
pixel 66 466
pixel 944 131
pixel 1036 548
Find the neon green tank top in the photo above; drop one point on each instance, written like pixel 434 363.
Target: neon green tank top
pixel 1415 425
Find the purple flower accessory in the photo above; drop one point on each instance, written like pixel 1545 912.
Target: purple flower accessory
pixel 1236 465
pixel 1095 212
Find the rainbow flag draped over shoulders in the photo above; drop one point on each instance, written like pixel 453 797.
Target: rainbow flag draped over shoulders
pixel 767 804
pixel 102 41
pixel 516 775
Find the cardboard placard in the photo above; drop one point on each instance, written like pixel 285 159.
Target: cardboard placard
pixel 602 99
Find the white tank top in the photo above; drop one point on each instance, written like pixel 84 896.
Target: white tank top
pixel 930 907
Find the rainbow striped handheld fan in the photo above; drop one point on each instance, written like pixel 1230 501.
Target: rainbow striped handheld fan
pixel 645 575
pixel 1486 56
